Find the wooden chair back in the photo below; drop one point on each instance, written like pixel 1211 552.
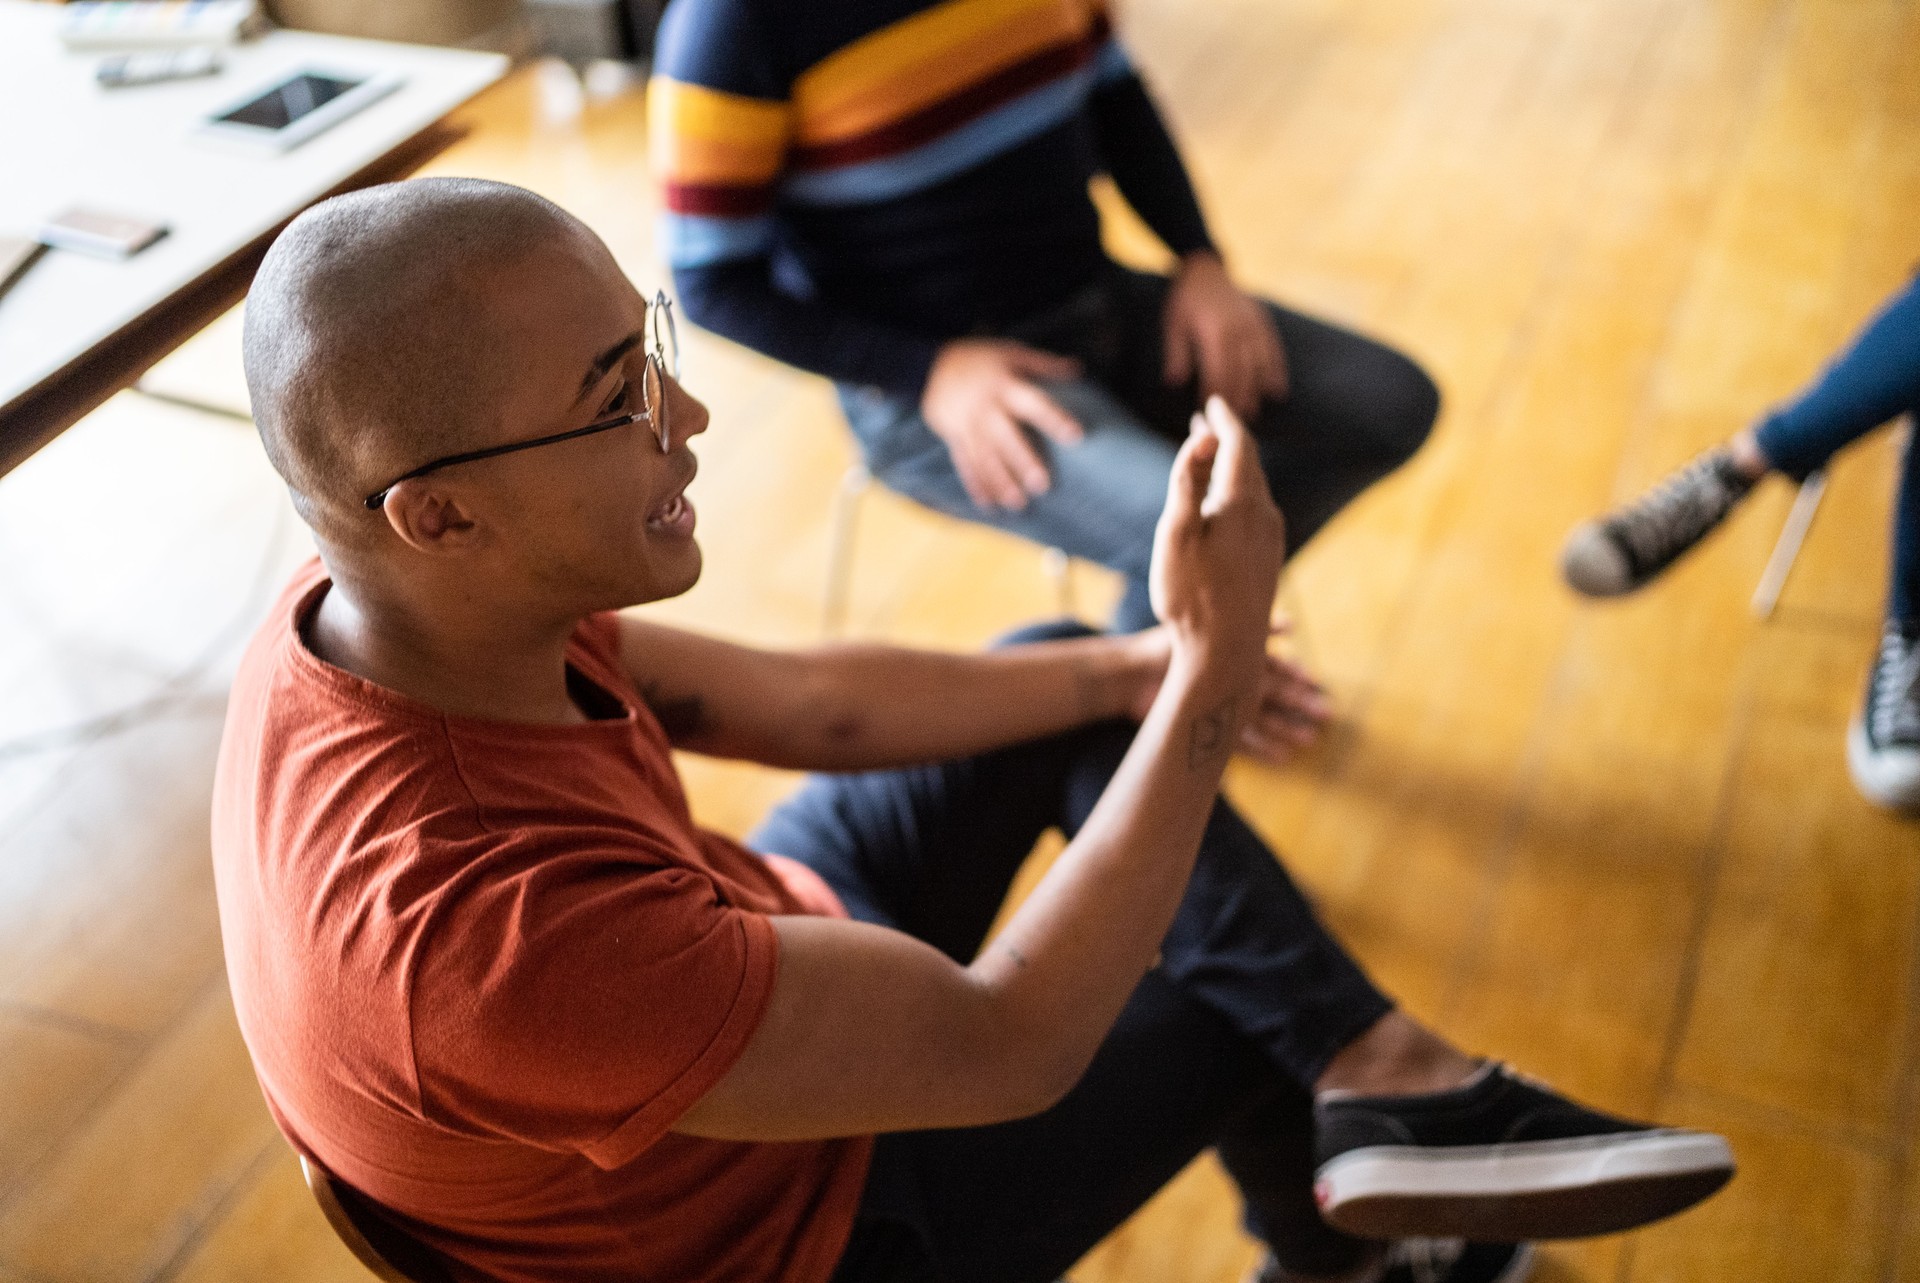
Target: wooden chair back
pixel 389 1253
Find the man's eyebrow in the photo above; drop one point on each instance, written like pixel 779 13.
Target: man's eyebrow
pixel 606 361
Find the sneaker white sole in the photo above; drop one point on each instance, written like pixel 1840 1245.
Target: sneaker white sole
pixel 1530 1190
pixel 1890 779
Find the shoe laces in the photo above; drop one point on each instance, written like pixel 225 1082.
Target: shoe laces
pixel 1428 1260
pixel 1893 693
pixel 1680 509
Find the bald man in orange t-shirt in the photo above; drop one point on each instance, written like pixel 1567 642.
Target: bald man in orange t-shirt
pixel 495 978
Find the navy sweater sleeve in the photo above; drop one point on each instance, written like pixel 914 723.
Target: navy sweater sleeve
pixel 738 299
pixel 1145 164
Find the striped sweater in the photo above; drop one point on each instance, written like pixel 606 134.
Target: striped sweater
pixel 849 183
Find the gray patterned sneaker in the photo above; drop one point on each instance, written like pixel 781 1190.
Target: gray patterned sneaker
pixel 1426 1260
pixel 1625 549
pixel 1452 1260
pixel 1883 744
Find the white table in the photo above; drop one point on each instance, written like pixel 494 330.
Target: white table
pixel 74 330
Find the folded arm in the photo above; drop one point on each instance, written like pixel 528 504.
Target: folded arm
pixel 853 708
pixel 856 707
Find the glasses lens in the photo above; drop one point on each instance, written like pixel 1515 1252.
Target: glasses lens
pixel 654 393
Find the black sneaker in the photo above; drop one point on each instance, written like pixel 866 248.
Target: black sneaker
pixel 1502 1159
pixel 1428 1260
pixel 1883 744
pixel 1623 550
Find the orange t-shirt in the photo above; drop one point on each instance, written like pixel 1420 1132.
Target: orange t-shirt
pixel 483 968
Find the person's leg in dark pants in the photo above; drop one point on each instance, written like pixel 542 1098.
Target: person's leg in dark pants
pixel 1250 1010
pixel 1875 379
pixel 1222 1041
pixel 1355 410
pixel 1903 597
pixel 1021 1201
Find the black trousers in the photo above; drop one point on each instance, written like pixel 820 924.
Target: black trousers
pixel 1218 1046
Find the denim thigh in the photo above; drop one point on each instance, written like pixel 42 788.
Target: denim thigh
pixel 1107 490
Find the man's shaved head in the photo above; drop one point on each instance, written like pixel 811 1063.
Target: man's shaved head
pixel 372 343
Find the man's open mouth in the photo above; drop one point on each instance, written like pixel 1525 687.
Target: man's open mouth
pixel 674 517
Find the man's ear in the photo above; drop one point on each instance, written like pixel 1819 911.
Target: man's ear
pixel 429 519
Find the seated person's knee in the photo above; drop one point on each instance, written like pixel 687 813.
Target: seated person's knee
pixel 1407 406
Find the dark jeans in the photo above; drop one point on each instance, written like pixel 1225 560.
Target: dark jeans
pixel 1218 1046
pixel 1875 379
pixel 1357 411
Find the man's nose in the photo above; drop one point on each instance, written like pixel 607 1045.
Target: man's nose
pixel 686 414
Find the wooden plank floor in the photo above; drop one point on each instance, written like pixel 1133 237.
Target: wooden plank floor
pixel 1616 845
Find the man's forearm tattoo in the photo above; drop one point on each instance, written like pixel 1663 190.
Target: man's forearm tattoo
pixel 1210 737
pixel 680 718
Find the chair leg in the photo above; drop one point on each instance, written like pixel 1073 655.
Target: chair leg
pixel 843 527
pixel 1059 569
pixel 1773 580
pixel 840 546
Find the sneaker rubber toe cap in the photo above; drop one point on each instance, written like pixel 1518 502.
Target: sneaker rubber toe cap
pixel 1593 564
pixel 1889 777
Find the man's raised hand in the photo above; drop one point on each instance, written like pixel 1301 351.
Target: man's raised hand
pixel 979 395
pixel 1218 549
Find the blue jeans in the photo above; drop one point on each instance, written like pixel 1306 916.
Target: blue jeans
pixel 1357 410
pixel 1874 379
pixel 1219 1045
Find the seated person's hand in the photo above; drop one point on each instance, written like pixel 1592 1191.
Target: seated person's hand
pixel 978 395
pixel 1217 552
pixel 1227 337
pixel 1291 709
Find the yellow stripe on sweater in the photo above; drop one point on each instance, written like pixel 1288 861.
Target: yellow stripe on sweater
pixel 920 60
pixel 702 135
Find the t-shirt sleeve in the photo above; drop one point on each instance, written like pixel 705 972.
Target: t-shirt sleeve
pixel 585 1003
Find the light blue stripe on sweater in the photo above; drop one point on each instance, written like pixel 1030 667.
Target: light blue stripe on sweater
pixel 1111 63
pixel 978 141
pixel 696 240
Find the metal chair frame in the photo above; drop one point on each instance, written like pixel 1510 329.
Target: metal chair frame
pixel 388 1253
pixel 843 530
pixel 1786 549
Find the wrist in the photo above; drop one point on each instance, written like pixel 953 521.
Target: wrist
pixel 1208 666
pixel 1217 658
pixel 1206 258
